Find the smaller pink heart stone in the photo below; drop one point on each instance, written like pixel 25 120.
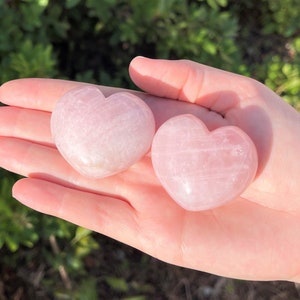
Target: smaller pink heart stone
pixel 202 169
pixel 101 136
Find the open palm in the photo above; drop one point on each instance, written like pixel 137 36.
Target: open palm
pixel 254 237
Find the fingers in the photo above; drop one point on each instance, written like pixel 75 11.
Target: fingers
pixel 40 94
pixel 39 161
pixel 223 242
pixel 181 80
pixel 27 124
pixel 27 158
pixel 104 214
pixel 34 93
pixel 189 81
pixel 239 100
pixel 111 216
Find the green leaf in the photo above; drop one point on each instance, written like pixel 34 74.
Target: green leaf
pixel 215 4
pixel 72 3
pixel 81 233
pixel 210 47
pixel 222 3
pixel 87 290
pixel 43 3
pixel 33 60
pixel 135 298
pixel 117 284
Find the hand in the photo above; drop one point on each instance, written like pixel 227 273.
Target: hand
pixel 256 236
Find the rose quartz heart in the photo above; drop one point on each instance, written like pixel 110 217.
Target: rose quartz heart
pixel 201 169
pixel 101 136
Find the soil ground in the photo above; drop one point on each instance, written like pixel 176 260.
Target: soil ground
pixel 133 276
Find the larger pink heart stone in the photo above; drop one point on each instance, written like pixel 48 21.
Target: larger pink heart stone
pixel 101 136
pixel 201 169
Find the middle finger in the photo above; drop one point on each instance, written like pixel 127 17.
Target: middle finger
pixel 43 162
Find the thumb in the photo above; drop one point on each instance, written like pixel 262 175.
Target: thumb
pixel 238 99
pixel 192 82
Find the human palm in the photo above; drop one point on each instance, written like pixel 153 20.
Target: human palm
pixel 253 237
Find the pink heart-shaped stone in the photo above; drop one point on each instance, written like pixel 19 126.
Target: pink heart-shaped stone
pixel 101 136
pixel 202 169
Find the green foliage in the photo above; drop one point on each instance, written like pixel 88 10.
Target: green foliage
pixel 269 42
pixel 24 48
pixel 284 18
pixel 216 4
pixel 86 290
pixel 33 60
pixel 118 284
pixel 70 258
pixel 282 74
pixel 165 29
pixel 17 224
pixel 94 41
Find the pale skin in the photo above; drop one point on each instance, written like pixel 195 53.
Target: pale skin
pixel 255 237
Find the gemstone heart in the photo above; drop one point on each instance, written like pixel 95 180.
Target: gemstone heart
pixel 101 136
pixel 202 169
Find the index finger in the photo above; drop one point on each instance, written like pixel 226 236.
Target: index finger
pixel 192 82
pixel 40 94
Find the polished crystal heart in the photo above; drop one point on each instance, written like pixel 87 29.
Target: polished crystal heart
pixel 101 136
pixel 200 169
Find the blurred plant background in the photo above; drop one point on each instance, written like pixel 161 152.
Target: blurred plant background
pixel 88 40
